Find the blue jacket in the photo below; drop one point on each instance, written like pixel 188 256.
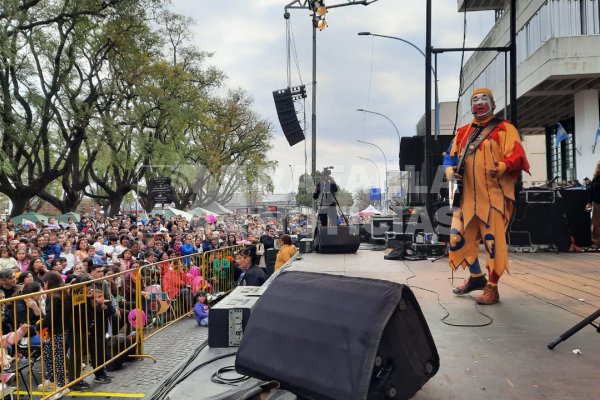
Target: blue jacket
pixel 187 249
pixel 200 312
pixel 207 245
pixel 51 249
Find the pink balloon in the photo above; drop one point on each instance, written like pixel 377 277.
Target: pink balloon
pixel 211 219
pixel 136 322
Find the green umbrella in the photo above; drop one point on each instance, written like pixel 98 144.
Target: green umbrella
pixel 63 218
pixel 30 216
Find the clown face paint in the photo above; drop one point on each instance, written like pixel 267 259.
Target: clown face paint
pixel 481 105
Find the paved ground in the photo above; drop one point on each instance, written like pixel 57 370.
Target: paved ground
pixel 544 295
pixel 170 347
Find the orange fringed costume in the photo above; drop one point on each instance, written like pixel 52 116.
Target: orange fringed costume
pixel 487 202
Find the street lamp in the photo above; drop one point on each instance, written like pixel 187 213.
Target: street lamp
pixel 437 105
pixel 384 116
pixel 386 170
pixel 376 166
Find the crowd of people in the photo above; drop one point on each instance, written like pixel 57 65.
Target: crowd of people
pixel 54 254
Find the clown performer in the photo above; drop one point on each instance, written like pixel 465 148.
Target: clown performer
pixel 493 160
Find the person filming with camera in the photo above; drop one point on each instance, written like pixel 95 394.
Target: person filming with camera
pixel 325 194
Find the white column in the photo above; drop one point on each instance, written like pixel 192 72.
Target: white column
pixel 587 116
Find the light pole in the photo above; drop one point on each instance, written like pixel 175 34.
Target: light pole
pixel 397 133
pixel 437 106
pixel 292 171
pixel 386 170
pixel 384 116
pixel 372 162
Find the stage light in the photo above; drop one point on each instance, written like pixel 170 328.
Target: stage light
pixel 320 23
pixel 319 9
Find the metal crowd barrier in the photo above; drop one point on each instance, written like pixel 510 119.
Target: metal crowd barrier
pixel 218 269
pixel 99 323
pixel 86 326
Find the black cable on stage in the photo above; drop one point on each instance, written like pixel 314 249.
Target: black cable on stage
pixel 218 377
pixel 172 380
pixel 443 319
pixel 204 364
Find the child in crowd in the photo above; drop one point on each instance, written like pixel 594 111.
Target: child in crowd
pixel 201 308
pixel 7 260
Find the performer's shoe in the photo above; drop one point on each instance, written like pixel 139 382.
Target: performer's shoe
pixel 470 284
pixel 490 295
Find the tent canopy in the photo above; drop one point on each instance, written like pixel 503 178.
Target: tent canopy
pixel 169 212
pixel 31 216
pixel 369 211
pixel 201 212
pixel 63 218
pixel 216 208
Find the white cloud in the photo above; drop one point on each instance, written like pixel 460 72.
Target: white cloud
pixel 248 38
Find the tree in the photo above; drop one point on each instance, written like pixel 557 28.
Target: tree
pixel 362 197
pixel 52 56
pixel 344 199
pixel 230 147
pixel 306 190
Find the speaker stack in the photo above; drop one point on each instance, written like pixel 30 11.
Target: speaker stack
pixel 330 337
pixel 412 158
pixel 539 219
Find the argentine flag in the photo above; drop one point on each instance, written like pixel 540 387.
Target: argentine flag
pixel 561 134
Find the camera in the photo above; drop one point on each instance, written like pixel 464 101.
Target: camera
pixel 327 171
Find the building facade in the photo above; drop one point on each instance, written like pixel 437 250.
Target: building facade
pixel 558 80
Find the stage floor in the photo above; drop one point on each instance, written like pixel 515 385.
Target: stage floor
pixel 543 296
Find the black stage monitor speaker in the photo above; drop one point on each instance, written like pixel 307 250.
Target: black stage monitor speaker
pixel 337 239
pixel 327 337
pixel 287 116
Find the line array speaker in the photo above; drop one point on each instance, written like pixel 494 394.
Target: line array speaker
pixel 284 104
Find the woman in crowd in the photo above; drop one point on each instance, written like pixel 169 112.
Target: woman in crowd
pixel 81 252
pixel 24 278
pixel 56 321
pixel 38 270
pixel 286 251
pixel 29 311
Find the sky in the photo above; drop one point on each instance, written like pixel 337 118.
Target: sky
pixel 248 38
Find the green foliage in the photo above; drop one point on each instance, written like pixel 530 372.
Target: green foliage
pixel 99 97
pixel 305 190
pixel 344 199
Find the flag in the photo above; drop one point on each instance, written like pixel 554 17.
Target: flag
pixel 28 223
pixel 561 135
pixel 596 138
